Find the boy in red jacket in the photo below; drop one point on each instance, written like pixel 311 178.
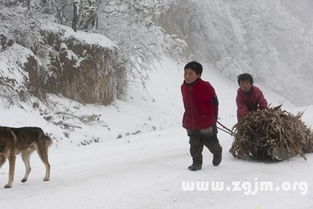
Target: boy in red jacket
pixel 201 109
pixel 249 98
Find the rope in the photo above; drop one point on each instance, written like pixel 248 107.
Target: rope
pixel 225 129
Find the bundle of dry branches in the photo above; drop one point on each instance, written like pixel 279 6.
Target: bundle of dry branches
pixel 271 134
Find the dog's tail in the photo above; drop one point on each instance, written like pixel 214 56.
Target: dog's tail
pixel 46 137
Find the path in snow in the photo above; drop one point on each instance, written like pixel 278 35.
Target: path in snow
pixel 146 171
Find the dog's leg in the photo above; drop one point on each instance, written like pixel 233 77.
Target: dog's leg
pixel 2 160
pixel 26 156
pixel 12 159
pixel 43 154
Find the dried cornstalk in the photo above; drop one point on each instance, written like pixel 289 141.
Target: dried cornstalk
pixel 272 134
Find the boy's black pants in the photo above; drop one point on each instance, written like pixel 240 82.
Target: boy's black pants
pixel 196 147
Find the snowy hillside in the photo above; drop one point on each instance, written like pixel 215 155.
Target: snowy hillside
pixel 147 169
pixel 134 153
pixel 267 38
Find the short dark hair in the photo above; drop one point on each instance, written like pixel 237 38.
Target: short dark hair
pixel 195 66
pixel 245 77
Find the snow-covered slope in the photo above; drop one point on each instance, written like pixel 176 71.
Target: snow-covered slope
pixel 271 39
pixel 138 153
pixel 147 169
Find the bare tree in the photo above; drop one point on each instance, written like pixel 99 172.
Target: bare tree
pixel 75 14
pixel 85 14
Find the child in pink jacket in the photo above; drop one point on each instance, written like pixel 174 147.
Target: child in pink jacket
pixel 249 97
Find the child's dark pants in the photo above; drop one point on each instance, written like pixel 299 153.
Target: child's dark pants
pixel 196 147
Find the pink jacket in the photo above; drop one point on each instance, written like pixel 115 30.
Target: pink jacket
pixel 249 101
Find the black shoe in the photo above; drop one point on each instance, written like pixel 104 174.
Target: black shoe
pixel 217 159
pixel 194 167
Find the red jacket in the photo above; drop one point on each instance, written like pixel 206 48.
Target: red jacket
pixel 201 105
pixel 249 101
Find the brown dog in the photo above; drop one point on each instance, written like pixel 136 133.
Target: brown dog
pixel 23 140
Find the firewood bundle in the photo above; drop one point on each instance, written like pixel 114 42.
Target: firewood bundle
pixel 271 135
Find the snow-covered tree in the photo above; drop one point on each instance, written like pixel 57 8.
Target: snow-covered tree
pixel 85 14
pixel 129 23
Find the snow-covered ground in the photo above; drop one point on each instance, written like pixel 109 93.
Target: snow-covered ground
pixel 142 156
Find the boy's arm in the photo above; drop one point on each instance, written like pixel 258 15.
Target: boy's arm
pixel 215 103
pixel 242 109
pixel 213 96
pixel 262 102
